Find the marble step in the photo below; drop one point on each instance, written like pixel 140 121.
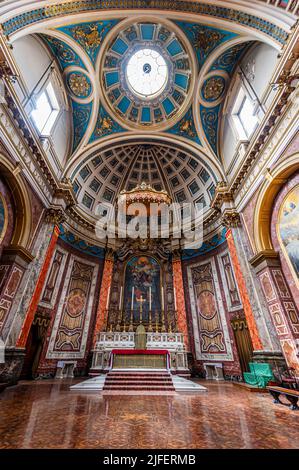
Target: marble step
pixel 184 385
pixel 138 387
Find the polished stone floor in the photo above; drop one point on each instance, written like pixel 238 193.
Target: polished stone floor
pixel 45 414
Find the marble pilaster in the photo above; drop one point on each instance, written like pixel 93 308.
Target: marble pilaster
pixel 104 294
pixel 180 298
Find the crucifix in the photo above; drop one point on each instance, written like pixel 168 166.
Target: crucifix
pixel 141 300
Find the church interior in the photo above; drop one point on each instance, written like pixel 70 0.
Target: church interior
pixel 149 224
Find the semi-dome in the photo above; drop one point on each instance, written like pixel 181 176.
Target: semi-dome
pixel 103 174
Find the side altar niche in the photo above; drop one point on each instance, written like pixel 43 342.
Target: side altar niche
pixel 141 299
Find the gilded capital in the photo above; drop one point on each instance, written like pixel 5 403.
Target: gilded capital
pixel 231 218
pixel 55 216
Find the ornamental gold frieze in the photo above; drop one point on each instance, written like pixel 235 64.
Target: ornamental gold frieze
pixel 24 19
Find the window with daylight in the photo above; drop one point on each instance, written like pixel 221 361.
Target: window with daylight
pixel 244 116
pixel 46 110
pixel 147 73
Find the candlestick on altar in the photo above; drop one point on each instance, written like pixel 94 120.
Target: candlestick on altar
pixel 162 299
pixel 141 300
pixel 120 297
pixel 150 298
pixel 150 328
pixel 163 329
pixel 131 321
pixel 132 302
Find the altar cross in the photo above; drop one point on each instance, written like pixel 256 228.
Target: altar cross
pixel 141 300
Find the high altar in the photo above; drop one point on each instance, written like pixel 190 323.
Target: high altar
pixel 139 309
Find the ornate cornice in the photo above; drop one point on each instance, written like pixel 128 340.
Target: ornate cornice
pixel 18 251
pixel 222 194
pixel 265 258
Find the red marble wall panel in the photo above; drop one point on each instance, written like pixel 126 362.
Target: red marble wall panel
pixel 103 298
pixel 13 277
pixel 180 300
pixel 256 341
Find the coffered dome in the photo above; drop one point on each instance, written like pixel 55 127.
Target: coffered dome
pixel 102 174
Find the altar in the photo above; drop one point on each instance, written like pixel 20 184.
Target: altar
pixel 170 345
pixel 139 359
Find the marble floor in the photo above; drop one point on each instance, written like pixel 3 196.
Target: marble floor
pixel 45 414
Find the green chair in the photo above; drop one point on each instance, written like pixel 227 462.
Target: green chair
pixel 260 374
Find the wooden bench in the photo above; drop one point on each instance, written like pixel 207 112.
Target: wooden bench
pixel 291 395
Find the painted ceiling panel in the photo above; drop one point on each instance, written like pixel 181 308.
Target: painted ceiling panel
pixel 204 39
pixel 105 125
pixel 89 35
pixel 186 127
pixel 211 10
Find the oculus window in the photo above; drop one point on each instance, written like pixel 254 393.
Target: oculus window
pixel 46 110
pixel 147 73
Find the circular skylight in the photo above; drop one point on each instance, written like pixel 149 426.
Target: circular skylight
pixel 147 73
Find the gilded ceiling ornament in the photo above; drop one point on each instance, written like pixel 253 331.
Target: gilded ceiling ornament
pixel 186 127
pixel 104 126
pixel 88 36
pixel 62 51
pixel 213 88
pixel 79 85
pixel 205 39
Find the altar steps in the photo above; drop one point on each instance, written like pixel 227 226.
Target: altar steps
pixel 136 381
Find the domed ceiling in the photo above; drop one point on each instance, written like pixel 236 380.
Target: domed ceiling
pixel 159 78
pixel 126 75
pixel 101 175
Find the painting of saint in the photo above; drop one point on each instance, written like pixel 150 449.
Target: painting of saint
pixel 288 227
pixel 142 286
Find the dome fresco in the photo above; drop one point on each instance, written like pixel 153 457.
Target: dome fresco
pixel 146 75
pixel 137 75
pixel 155 76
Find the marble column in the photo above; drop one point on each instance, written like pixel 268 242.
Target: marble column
pixel 281 305
pixel 104 293
pixel 180 298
